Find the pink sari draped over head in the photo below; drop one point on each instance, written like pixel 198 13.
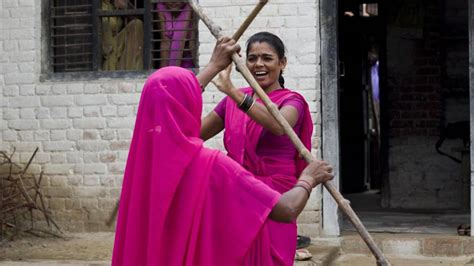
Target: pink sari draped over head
pixel 181 203
pixel 280 174
pixel 178 29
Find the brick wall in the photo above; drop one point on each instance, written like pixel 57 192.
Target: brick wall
pixel 456 80
pixel 414 100
pixel 83 127
pixel 418 64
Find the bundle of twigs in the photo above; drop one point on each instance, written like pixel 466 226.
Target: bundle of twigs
pixel 21 200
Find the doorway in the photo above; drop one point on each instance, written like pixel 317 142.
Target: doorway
pixel 361 50
pixel 401 81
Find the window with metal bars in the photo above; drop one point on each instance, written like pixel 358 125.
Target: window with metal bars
pixel 121 35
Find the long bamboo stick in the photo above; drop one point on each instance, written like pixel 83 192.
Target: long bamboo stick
pixel 249 19
pixel 113 214
pixel 272 108
pixel 236 37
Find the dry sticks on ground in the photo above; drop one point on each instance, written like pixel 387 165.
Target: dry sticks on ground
pixel 21 201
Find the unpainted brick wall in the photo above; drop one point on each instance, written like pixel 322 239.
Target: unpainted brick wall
pixel 420 178
pixel 414 100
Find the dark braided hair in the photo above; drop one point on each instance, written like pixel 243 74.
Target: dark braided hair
pixel 273 41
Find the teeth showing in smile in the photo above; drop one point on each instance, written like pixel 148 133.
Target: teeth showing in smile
pixel 260 73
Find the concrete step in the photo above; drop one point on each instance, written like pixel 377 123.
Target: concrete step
pixel 400 249
pixel 363 260
pixel 324 251
pixel 426 245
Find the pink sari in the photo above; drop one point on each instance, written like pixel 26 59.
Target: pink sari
pixel 281 175
pixel 181 203
pixel 179 31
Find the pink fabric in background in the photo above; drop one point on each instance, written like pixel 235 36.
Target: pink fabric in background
pixel 177 29
pixel 181 203
pixel 279 173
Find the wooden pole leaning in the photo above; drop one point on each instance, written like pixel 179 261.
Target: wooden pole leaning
pixel 305 153
pixel 236 37
pixel 113 214
pixel 249 20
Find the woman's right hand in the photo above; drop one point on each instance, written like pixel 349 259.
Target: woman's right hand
pixel 223 82
pixel 220 59
pixel 317 172
pixel 222 55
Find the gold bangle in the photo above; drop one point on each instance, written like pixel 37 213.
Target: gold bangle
pixel 304 181
pixel 305 188
pixel 243 100
pixel 305 184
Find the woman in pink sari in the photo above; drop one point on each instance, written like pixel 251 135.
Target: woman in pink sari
pixel 177 34
pixel 260 144
pixel 184 204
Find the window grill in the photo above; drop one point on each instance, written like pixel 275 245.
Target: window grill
pixel 71 35
pixel 121 35
pixel 174 39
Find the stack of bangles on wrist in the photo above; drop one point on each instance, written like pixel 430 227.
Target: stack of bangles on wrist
pixel 247 103
pixel 304 184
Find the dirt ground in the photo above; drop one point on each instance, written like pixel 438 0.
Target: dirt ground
pixel 95 249
pixel 80 247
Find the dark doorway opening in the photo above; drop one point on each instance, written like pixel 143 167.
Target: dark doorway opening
pixel 404 77
pixel 361 49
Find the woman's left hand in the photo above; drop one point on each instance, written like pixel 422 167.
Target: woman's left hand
pixel 317 172
pixel 220 59
pixel 223 51
pixel 223 82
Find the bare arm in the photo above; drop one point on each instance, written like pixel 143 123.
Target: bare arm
pixel 290 205
pixel 292 202
pixel 258 112
pixel 261 115
pixel 211 125
pixel 221 58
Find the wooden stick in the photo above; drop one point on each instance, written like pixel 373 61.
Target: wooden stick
pixel 29 161
pixel 113 215
pixel 272 108
pixel 12 208
pixel 249 20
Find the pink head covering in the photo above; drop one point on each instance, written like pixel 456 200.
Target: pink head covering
pixel 181 203
pixel 165 140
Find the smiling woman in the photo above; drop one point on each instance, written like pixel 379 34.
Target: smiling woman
pixel 266 64
pixel 253 137
pixel 266 60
